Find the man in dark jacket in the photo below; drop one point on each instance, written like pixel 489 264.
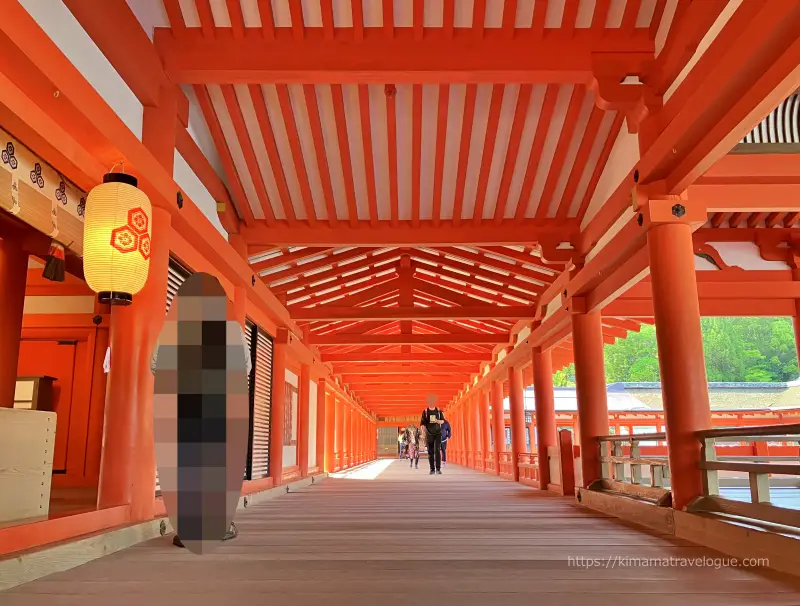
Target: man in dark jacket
pixel 432 420
pixel 447 433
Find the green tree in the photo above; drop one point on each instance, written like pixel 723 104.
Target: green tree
pixel 736 349
pixel 564 377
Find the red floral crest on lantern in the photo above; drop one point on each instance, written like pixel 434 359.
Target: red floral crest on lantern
pixel 124 239
pixel 144 246
pixel 133 235
pixel 137 219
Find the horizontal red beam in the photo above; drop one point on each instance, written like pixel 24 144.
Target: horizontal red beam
pixel 746 197
pixel 403 369
pixel 643 308
pixel 487 233
pixel 415 381
pixel 404 357
pixel 477 312
pixel 474 338
pixel 738 291
pixel 560 56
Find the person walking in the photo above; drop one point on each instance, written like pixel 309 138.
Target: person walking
pixel 432 421
pixel 412 439
pixel 447 433
pixel 401 444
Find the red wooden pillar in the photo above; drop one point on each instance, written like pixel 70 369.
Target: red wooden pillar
pixel 590 385
pixel 485 431
pixel 464 433
pixel 278 411
pixel 346 444
pixel 469 432
pixel 339 421
pixel 13 276
pixel 477 434
pixel 359 438
pixel 680 354
pixel 303 429
pixel 498 423
pixel 545 411
pixel 330 432
pixel 321 428
pixel 351 447
pixel 128 461
pixel 516 398
pixel 460 437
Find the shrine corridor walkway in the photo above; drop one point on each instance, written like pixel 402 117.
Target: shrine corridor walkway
pixel 389 535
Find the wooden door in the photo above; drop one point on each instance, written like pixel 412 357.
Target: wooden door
pixel 54 359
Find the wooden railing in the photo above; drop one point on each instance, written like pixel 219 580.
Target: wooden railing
pixel 506 470
pixel 758 469
pixel 477 460
pixel 337 462
pixel 528 465
pixel 490 463
pixel 616 459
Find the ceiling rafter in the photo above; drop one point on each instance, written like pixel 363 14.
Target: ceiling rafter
pixel 339 263
pixel 479 275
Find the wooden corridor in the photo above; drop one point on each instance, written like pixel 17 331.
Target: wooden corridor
pixel 388 535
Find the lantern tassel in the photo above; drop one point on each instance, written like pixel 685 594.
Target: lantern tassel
pixel 54 266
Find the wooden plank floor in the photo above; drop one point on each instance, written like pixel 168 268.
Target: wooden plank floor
pixel 405 537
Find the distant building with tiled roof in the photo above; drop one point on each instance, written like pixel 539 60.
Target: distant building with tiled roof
pixel 648 396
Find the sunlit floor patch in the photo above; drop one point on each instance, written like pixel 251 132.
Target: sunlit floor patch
pixel 367 472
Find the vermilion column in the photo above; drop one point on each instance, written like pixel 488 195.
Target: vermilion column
pixel 485 432
pixel 330 432
pixel 680 354
pixel 339 420
pixel 321 429
pixel 459 434
pixel 128 461
pixel 590 386
pixel 465 432
pixel 346 444
pixel 351 446
pixel 278 411
pixel 359 438
pixel 498 423
pixel 477 434
pixel 516 399
pixel 545 411
pixel 13 276
pixel 469 432
pixel 303 429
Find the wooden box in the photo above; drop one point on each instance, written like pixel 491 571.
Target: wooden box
pixel 27 440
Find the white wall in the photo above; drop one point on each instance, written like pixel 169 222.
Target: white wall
pixel 57 21
pixel 312 424
pixel 189 182
pixel 60 25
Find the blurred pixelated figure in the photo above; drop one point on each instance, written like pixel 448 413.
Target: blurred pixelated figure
pixel 201 409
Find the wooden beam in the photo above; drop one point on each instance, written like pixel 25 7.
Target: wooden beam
pixel 427 234
pixel 375 59
pixel 397 371
pixel 422 376
pixel 409 357
pixel 746 197
pixel 442 339
pixel 476 312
